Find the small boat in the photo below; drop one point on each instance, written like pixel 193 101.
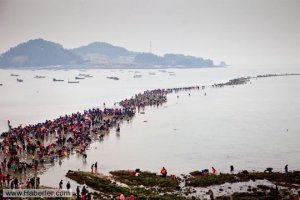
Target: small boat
pixel 152 73
pixel 14 74
pixel 78 78
pixel 137 76
pixel 1 84
pixel 113 78
pixel 73 81
pixel 85 75
pixel 54 79
pixel 19 80
pixel 37 76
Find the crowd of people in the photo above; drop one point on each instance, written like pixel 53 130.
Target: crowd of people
pixel 26 149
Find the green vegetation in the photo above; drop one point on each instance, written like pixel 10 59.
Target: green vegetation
pixel 146 179
pixel 198 180
pixel 208 180
pixel 107 187
pixel 96 182
pixel 150 186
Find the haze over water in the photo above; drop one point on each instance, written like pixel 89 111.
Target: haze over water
pixel 243 125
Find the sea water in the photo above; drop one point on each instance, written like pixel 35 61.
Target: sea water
pixel 250 126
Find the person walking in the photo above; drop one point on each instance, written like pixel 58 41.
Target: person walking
pixel 164 172
pixel 83 192
pixel 231 168
pixel 122 197
pixel 92 168
pixel 78 192
pixel 68 185
pixel 60 184
pixel 214 171
pixel 96 167
pixel 84 155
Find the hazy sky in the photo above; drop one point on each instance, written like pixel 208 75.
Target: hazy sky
pixel 236 31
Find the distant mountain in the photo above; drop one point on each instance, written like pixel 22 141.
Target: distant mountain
pixel 38 53
pixel 148 59
pixel 175 60
pixel 102 48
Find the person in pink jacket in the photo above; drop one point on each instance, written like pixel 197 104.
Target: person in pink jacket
pixel 122 197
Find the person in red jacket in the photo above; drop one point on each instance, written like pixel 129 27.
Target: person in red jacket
pixel 214 171
pixel 164 172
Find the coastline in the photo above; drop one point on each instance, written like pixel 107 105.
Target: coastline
pixel 144 185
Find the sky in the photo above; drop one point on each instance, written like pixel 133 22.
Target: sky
pixel 235 31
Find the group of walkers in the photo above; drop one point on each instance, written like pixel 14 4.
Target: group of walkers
pixel 94 167
pixel 29 147
pixel 8 181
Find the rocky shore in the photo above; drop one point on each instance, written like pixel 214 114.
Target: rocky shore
pixel 148 185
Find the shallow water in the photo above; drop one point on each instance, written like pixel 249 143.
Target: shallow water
pixel 245 125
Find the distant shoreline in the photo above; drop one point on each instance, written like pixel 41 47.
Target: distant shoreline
pixel 106 67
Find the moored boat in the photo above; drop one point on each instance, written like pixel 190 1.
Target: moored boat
pixel 113 78
pixel 54 79
pixel 85 75
pixel 37 76
pixel 73 81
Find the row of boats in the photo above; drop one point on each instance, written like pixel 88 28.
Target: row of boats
pixel 79 77
pixel 84 76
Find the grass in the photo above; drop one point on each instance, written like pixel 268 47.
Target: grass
pixel 146 179
pixel 107 187
pixel 96 182
pixel 155 187
pixel 286 179
pixel 208 180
